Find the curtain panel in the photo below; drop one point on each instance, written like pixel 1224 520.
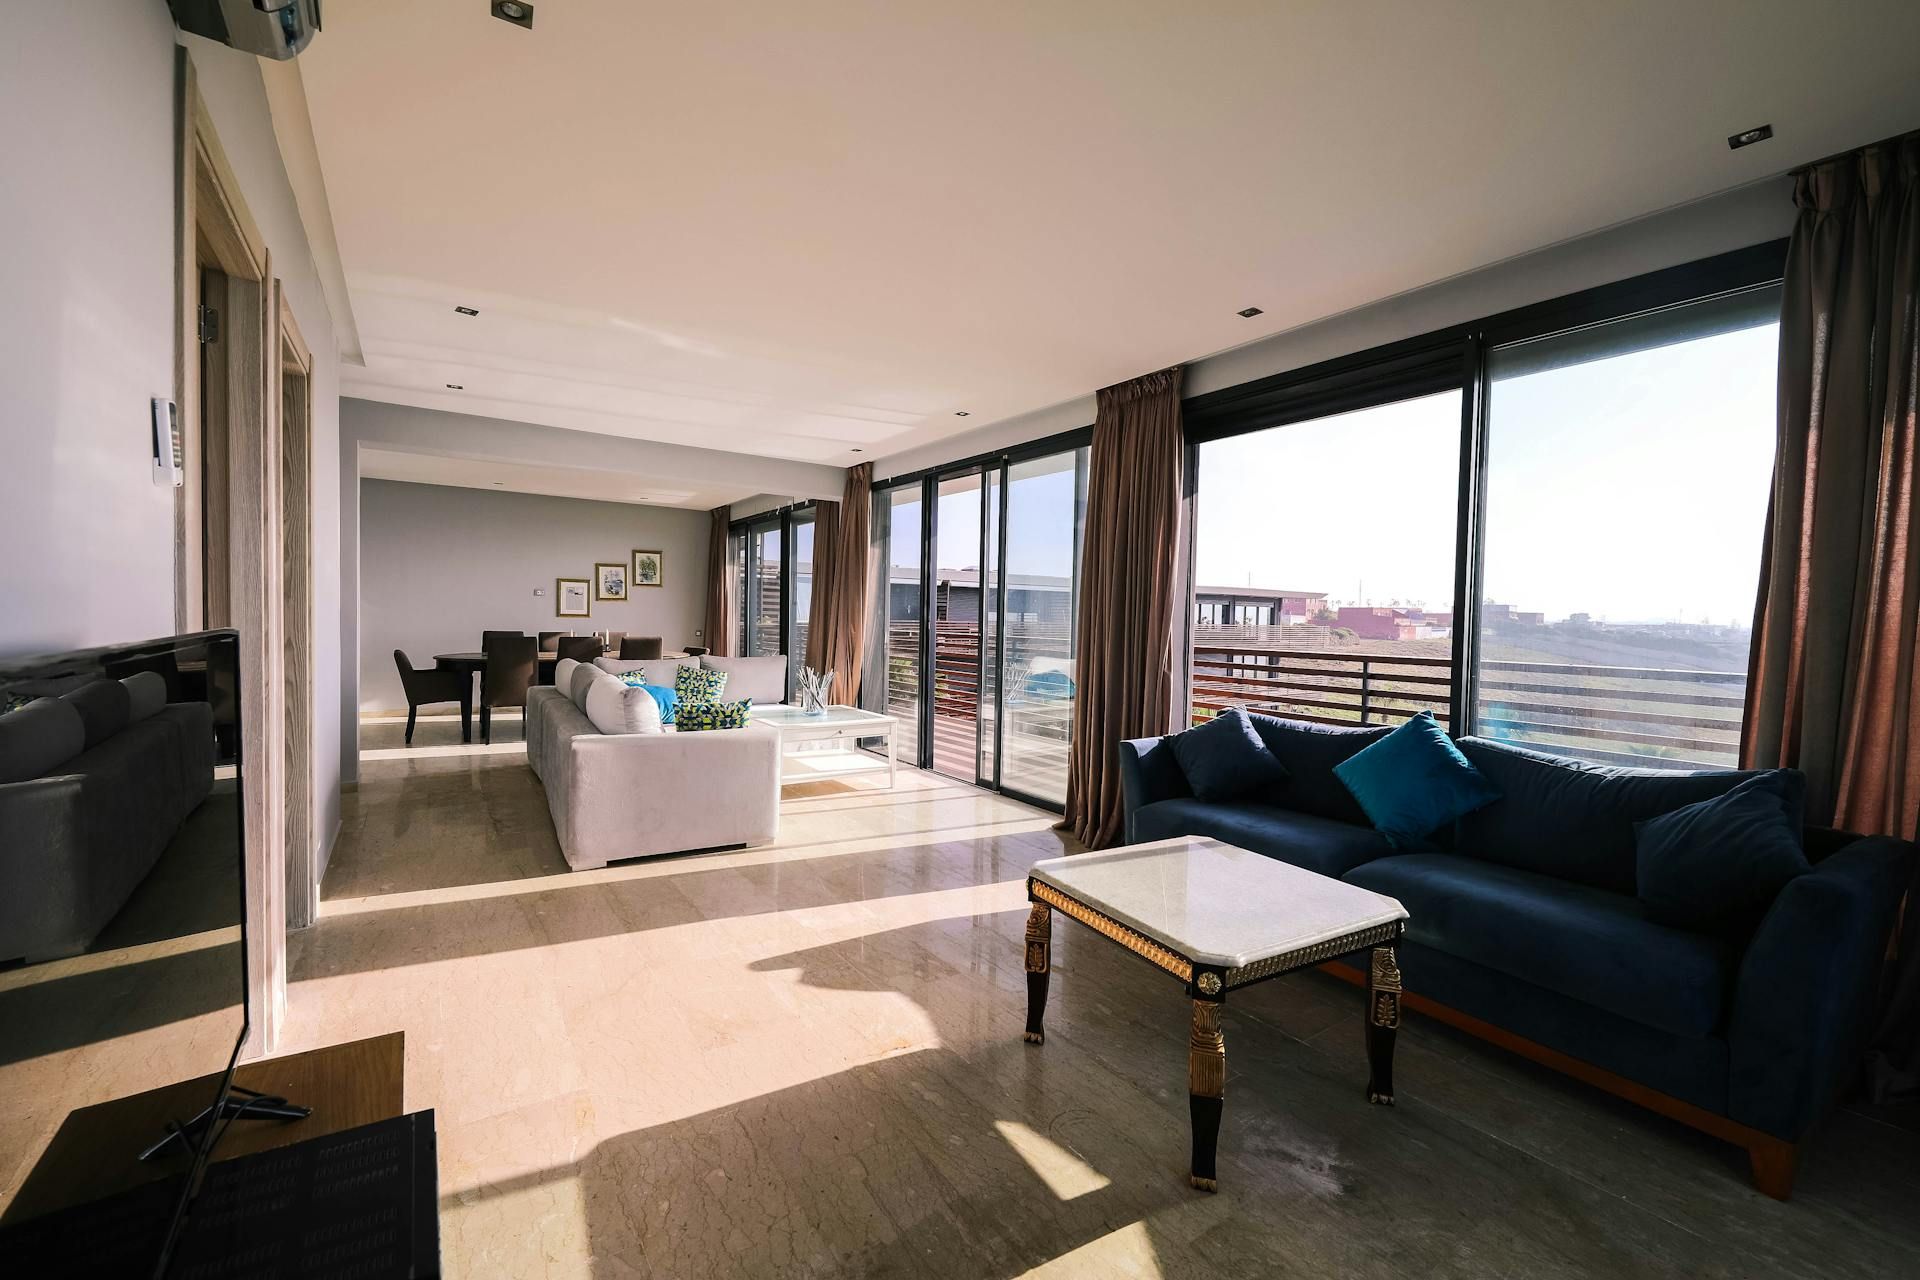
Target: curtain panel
pixel 721 597
pixel 1831 687
pixel 1127 606
pixel 841 576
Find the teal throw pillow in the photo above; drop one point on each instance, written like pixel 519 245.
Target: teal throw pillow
pixel 697 684
pixel 693 717
pixel 1414 781
pixel 668 699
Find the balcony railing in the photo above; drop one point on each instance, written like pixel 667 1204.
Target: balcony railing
pixel 1653 717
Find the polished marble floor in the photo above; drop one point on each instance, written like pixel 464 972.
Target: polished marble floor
pixel 806 1060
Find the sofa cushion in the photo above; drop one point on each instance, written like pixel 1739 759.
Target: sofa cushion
pixel 761 679
pixel 104 706
pixel 1589 944
pixel 37 738
pixel 615 706
pixel 1325 845
pixel 664 696
pixel 656 670
pixel 1719 864
pixel 698 684
pixel 583 676
pixel 1224 759
pixel 563 674
pixel 1414 781
pixel 1309 753
pixel 697 717
pixel 1574 820
pixel 146 694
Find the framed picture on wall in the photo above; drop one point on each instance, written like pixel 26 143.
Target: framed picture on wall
pixel 649 569
pixel 572 597
pixel 609 582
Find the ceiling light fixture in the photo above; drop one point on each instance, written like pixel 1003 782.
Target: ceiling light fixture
pixel 1760 133
pixel 467 311
pixel 1250 312
pixel 518 12
pixel 858 451
pixel 455 386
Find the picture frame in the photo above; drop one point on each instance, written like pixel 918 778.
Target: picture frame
pixel 572 597
pixel 649 569
pixel 610 581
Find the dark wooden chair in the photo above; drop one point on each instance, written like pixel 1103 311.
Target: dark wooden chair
pixel 509 673
pixel 579 648
pixel 696 650
pixel 639 648
pixel 550 638
pixel 425 686
pixel 488 637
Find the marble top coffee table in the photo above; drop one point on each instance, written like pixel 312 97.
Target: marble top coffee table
pixel 1218 918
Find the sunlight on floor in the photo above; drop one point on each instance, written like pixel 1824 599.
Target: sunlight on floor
pixel 1126 1254
pixel 1066 1174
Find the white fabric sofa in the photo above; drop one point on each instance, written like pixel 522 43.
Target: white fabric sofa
pixel 762 681
pixel 634 795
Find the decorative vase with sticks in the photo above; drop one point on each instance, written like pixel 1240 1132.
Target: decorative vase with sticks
pixel 813 691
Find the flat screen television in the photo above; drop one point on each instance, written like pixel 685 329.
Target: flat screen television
pixel 122 926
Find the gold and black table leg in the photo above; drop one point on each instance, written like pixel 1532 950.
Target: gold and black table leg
pixel 1039 962
pixel 1206 1075
pixel 1383 1020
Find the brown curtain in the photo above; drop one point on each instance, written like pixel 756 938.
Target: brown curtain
pixel 721 601
pixel 1831 686
pixel 1128 575
pixel 837 628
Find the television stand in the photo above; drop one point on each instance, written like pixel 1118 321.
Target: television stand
pixel 239 1104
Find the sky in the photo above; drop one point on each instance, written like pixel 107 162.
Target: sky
pixel 1633 488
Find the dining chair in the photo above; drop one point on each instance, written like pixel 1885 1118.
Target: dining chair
pixel 425 685
pixel 549 638
pixel 488 637
pixel 696 650
pixel 579 648
pixel 639 648
pixel 510 663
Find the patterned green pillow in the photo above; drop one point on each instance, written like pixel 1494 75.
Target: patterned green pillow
pixel 693 717
pixel 697 684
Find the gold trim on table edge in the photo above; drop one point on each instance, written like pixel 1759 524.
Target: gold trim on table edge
pixel 1318 953
pixel 1132 939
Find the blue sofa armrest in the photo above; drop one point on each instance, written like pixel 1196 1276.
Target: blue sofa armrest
pixel 1148 772
pixel 1804 1001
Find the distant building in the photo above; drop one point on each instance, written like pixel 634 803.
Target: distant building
pixel 1391 622
pixel 1031 597
pixel 1256 606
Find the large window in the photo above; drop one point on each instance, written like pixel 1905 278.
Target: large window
pixel 1628 468
pixel 896 683
pixel 761 578
pixel 1324 566
pixel 800 598
pixel 1046 503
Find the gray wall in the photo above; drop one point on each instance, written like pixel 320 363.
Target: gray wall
pixel 439 565
pixel 87 329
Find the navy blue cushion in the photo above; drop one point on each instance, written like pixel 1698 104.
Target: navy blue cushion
pixel 1414 781
pixel 1224 759
pixel 1310 753
pixel 1317 844
pixel 1574 820
pixel 1588 944
pixel 1720 863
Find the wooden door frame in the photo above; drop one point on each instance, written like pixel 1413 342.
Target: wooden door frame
pixel 214 227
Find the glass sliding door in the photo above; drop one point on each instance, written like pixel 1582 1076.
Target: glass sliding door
pixel 1628 469
pixel 1324 566
pixel 762 576
pixel 894 687
pixel 800 526
pixel 958 615
pixel 1034 672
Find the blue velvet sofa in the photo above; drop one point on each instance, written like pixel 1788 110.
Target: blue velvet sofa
pixel 1525 929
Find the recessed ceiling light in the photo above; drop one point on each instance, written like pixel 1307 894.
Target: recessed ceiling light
pixel 961 413
pixel 455 386
pixel 499 484
pixel 1249 313
pixel 518 12
pixel 1759 133
pixel 467 311
pixel 857 451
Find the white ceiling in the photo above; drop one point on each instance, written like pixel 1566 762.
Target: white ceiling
pixel 560 482
pixel 794 230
